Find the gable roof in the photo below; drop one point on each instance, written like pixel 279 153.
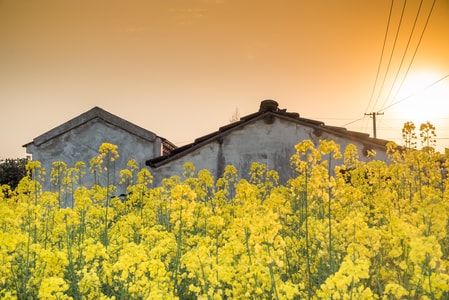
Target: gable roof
pixel 268 110
pixel 96 113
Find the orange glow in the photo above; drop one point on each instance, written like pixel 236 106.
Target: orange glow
pixel 181 68
pixel 424 96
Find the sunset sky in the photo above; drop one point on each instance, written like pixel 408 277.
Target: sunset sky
pixel 181 68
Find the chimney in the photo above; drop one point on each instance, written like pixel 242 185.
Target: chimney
pixel 268 105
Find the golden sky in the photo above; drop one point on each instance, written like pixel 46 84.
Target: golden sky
pixel 180 68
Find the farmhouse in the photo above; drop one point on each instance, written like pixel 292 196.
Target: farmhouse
pixel 267 136
pixel 78 140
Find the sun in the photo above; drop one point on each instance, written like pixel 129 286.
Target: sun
pixel 423 97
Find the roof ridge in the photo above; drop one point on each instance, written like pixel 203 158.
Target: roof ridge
pixel 95 112
pixel 268 109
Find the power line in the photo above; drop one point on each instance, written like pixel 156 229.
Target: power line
pixel 405 52
pixel 382 110
pixel 416 50
pixel 391 54
pixel 411 62
pixel 352 122
pixel 389 61
pixel 381 56
pixel 410 96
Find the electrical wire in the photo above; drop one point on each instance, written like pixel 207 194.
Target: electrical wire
pixel 392 102
pixel 410 96
pixel 381 56
pixel 414 54
pixel 352 122
pixel 405 53
pixel 401 100
pixel 391 54
pixel 363 125
pixel 384 108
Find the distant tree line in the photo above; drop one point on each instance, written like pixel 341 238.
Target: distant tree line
pixel 12 171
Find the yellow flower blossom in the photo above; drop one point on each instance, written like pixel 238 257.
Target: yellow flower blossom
pixel 373 231
pixel 53 288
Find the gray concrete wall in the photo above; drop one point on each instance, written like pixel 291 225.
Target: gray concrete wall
pixel 82 143
pixel 270 144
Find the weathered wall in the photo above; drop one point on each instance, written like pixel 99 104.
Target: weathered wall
pixel 82 143
pixel 271 144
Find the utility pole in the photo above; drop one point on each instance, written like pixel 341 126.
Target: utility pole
pixel 373 115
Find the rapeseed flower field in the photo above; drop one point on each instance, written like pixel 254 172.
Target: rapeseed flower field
pixel 365 230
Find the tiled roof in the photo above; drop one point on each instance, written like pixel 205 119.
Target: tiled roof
pixel 268 111
pixel 92 114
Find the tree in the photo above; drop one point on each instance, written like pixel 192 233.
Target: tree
pixel 12 171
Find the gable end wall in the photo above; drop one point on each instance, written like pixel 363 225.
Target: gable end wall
pixel 82 143
pixel 271 143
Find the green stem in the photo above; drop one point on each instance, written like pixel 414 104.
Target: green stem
pixel 309 280
pixel 273 281
pixel 178 250
pixel 247 235
pixel 206 284
pixel 331 263
pixel 106 238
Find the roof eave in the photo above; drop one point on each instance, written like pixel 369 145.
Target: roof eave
pixel 292 117
pixel 199 142
pixel 92 114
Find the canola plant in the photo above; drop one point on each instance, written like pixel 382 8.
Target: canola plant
pixel 365 230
